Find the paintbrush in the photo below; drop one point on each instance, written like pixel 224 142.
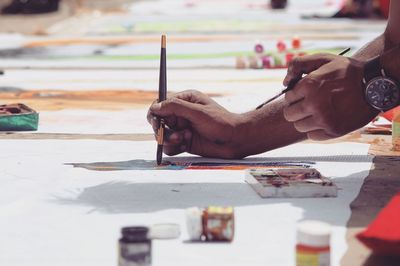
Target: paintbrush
pixel 292 84
pixel 162 96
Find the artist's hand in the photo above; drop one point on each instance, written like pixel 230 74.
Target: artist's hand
pixel 196 124
pixel 329 101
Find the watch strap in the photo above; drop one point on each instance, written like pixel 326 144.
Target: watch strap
pixel 372 69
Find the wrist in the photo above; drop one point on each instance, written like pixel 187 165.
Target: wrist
pixel 381 89
pixel 390 61
pixel 242 124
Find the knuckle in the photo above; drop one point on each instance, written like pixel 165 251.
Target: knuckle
pixel 321 120
pixel 296 61
pixel 299 127
pixel 289 96
pixel 171 102
pixel 192 91
pixel 294 64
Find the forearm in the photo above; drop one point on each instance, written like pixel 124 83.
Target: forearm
pixel 266 129
pixel 372 49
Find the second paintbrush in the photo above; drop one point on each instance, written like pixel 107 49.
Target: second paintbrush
pixel 162 96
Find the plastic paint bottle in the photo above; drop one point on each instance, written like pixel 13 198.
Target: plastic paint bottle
pixel 313 244
pixel 211 224
pixel 134 247
pixel 396 131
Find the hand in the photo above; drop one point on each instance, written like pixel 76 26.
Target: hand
pixel 196 124
pixel 329 101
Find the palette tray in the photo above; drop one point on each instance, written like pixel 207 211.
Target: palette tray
pixel 18 117
pixel 290 183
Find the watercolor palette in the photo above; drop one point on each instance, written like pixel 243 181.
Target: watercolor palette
pixel 290 183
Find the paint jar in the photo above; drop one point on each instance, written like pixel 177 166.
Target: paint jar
pixel 396 131
pixel 134 247
pixel 211 224
pixel 313 244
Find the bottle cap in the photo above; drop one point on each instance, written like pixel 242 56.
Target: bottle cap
pixel 135 233
pixel 164 231
pixel 313 233
pixel 194 223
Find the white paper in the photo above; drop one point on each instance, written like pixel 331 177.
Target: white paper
pixel 54 214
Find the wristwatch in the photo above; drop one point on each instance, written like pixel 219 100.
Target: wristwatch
pixel 381 92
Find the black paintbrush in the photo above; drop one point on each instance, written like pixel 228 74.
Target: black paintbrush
pixel 291 85
pixel 162 96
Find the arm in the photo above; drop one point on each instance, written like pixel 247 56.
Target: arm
pixel 327 103
pixel 198 125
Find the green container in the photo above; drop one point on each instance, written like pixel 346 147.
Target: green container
pixel 26 120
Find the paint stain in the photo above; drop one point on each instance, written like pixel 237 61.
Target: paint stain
pixel 183 165
pixel 110 99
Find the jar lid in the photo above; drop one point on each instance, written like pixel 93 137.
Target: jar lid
pixel 135 233
pixel 164 231
pixel 313 233
pixel 194 223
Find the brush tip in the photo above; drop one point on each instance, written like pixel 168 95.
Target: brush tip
pixel 163 41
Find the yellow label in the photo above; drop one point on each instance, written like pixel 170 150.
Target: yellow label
pixel 306 259
pixel 312 259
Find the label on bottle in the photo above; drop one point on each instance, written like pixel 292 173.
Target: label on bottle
pixel 313 258
pixel 135 254
pixel 396 135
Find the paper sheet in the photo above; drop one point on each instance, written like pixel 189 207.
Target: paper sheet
pixel 54 214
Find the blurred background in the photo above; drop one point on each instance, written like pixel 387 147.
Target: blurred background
pixel 92 66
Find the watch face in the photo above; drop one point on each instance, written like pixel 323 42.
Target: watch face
pixel 382 93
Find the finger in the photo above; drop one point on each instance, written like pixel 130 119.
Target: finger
pixel 296 112
pixel 178 142
pixel 154 122
pixel 307 124
pixel 173 137
pixel 296 94
pixel 305 65
pixel 303 88
pixel 172 122
pixel 150 115
pixel 179 108
pixel 319 135
pixel 193 96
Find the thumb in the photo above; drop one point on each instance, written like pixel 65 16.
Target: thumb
pixel 305 65
pixel 179 108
